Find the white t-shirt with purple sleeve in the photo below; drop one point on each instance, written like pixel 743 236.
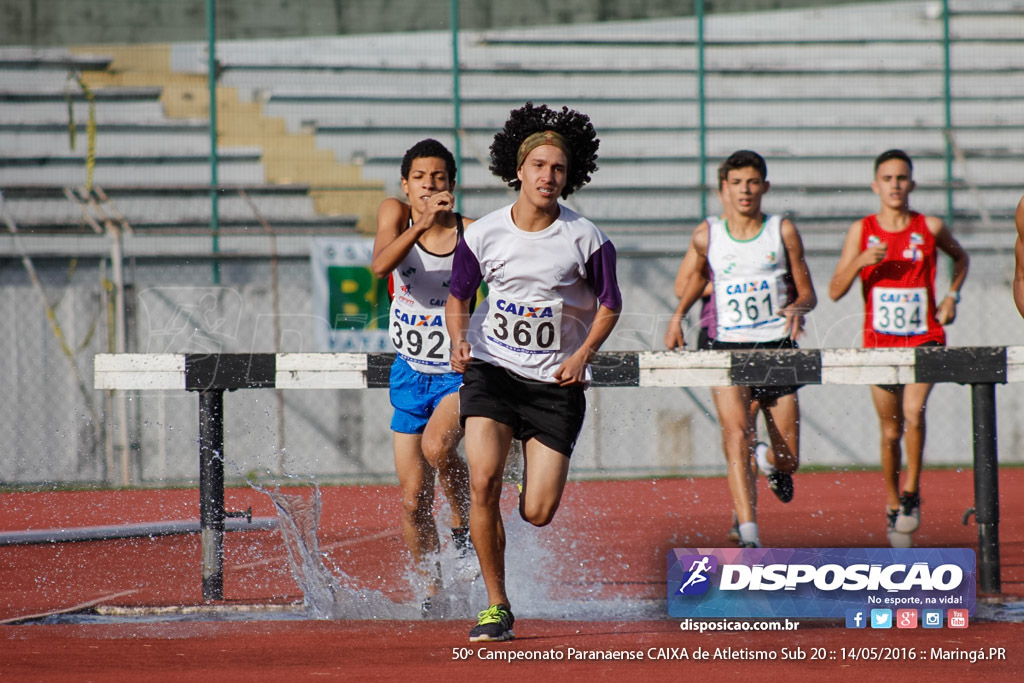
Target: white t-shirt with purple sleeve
pixel 544 289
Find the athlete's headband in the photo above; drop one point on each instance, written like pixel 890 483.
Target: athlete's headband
pixel 544 137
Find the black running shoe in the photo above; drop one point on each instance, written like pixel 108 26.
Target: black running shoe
pixel 890 519
pixel 781 485
pixel 427 608
pixel 462 542
pixel 908 517
pixel 435 607
pixel 494 625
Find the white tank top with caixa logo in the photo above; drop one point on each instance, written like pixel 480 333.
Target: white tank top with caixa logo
pixel 750 282
pixel 416 323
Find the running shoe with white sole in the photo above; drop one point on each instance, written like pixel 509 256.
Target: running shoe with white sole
pixel 494 624
pixel 908 517
pixel 896 538
pixel 781 483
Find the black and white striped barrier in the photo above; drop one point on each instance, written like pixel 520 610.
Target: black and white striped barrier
pixel 213 374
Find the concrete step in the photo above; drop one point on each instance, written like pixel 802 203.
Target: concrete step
pixel 167 209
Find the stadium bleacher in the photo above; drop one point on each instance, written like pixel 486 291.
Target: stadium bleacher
pixel 151 153
pixel 819 92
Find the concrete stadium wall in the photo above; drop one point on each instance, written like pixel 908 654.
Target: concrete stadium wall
pixel 42 23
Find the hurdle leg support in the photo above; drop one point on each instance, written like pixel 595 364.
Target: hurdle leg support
pixel 211 491
pixel 986 486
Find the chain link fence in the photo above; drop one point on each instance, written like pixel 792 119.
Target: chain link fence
pixel 311 131
pixel 53 435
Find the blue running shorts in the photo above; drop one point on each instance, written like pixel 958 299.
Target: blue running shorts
pixel 415 395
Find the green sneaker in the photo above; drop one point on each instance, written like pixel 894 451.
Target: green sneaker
pixel 494 625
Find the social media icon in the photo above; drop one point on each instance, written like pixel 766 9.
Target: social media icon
pixel 957 618
pixel 881 618
pixel 906 618
pixel 931 618
pixel 856 618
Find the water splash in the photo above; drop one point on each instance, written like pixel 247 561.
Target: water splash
pixel 326 594
pixel 542 579
pixel 1008 611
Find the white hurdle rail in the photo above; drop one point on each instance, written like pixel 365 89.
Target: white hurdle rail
pixel 212 374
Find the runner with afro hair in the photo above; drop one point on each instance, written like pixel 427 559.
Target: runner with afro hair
pixel 574 127
pixel 525 353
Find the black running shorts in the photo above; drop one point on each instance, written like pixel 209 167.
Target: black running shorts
pixel 894 388
pixel 766 396
pixel 550 413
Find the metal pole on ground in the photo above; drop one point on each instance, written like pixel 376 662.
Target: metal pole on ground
pixel 211 491
pixel 986 486
pixel 120 335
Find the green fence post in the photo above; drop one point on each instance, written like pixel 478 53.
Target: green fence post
pixel 948 101
pixel 211 83
pixel 701 104
pixel 456 96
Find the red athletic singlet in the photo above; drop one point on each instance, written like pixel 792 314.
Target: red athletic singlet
pixel 899 292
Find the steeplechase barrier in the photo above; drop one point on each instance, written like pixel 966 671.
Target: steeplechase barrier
pixel 210 375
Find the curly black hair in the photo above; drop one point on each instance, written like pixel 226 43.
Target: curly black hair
pixel 429 148
pixel 527 120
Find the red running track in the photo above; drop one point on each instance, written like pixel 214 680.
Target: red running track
pixel 612 534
